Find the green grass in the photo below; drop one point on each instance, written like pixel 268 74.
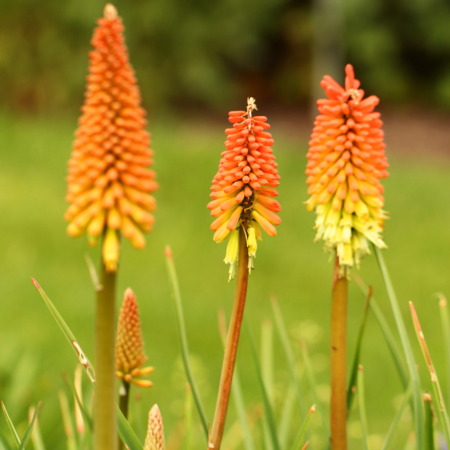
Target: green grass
pixel 33 242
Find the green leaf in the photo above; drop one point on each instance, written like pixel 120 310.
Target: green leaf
pixel 356 357
pixel 126 433
pixel 302 432
pixel 266 402
pixel 282 332
pixel 417 395
pixel 312 382
pixel 72 392
pixel 267 372
pixel 387 333
pixel 11 427
pixel 398 416
pixel 68 421
pixel 36 436
pixel 67 333
pixel 437 391
pixel 429 423
pixel 362 409
pixel 446 331
pixel 183 339
pixel 29 430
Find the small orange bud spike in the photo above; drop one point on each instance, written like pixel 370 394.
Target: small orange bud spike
pixel 155 431
pixel 243 185
pixel 130 353
pixel 346 163
pixel 109 185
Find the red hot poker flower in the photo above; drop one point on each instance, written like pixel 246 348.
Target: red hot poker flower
pixel 109 184
pixel 346 162
pixel 242 189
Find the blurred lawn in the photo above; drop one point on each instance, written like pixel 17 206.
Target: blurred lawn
pixel 33 240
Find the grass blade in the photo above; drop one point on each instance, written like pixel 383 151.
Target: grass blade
pixel 4 443
pixel 281 328
pixel 187 418
pixel 27 435
pixel 362 408
pixel 68 422
pixel 267 371
pixel 126 433
pixel 236 391
pixel 398 416
pixel 36 435
pixel 84 361
pixel 438 399
pixel 183 339
pixel 267 407
pixel 387 333
pixel 354 372
pixel 11 427
pixel 312 382
pixel 429 422
pixel 417 395
pixel 286 415
pixel 72 392
pixel 446 331
pixel 302 432
pixel 93 273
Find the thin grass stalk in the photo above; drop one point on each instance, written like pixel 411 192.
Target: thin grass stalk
pixel 11 426
pixel 437 391
pixel 398 416
pixel 105 435
pixel 183 339
pixel 312 382
pixel 429 422
pixel 124 398
pixel 236 391
pixel 339 361
pixel 354 372
pixel 36 435
pixel 417 395
pixel 282 332
pixel 387 333
pixel 362 408
pixel 284 423
pixel 303 428
pixel 445 321
pixel 231 347
pixel 267 408
pixel 187 418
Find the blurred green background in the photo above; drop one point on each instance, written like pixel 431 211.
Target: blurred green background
pixel 194 61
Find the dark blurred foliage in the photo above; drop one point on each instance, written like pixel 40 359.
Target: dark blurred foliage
pixel 210 53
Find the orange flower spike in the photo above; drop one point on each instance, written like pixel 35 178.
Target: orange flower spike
pixel 130 355
pixel 242 188
pixel 346 161
pixel 109 183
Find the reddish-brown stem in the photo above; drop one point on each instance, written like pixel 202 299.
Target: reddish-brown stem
pixel 226 378
pixel 339 361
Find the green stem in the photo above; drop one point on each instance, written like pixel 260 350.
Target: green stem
pixel 231 346
pixel 105 434
pixel 339 361
pixel 123 404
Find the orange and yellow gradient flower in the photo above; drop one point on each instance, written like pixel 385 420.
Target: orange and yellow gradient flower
pixel 109 183
pixel 242 189
pixel 346 162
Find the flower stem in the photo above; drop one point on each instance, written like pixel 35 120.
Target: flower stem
pixel 339 361
pixel 123 404
pixel 226 378
pixel 105 435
